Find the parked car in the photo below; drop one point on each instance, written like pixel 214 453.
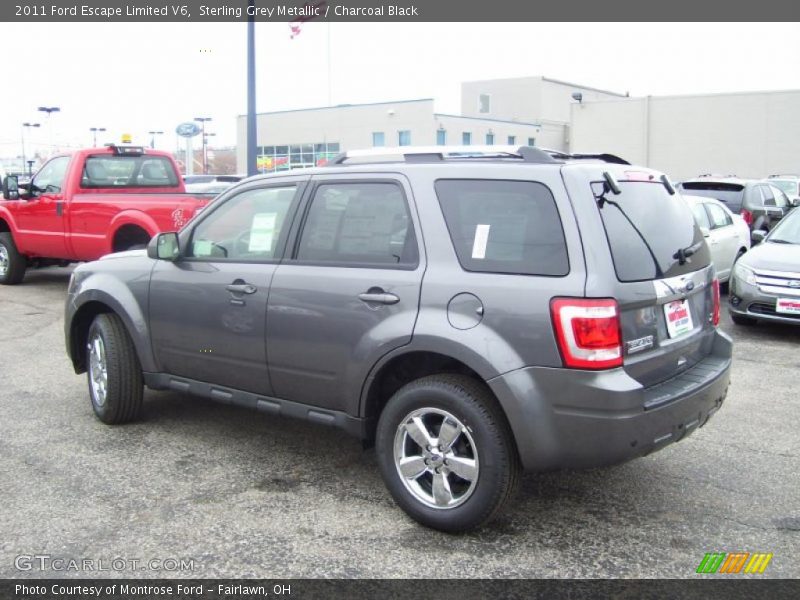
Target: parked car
pixel 727 234
pixel 82 205
pixel 468 310
pixel 757 202
pixel 788 184
pixel 766 281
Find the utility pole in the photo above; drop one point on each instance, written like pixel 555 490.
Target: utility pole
pixel 153 135
pixel 50 110
pixel 94 131
pixel 24 127
pixel 203 121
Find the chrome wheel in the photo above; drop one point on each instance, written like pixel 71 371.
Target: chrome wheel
pixel 98 370
pixel 4 260
pixel 436 458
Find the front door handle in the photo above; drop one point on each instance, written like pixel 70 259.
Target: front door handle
pixel 241 288
pixel 378 297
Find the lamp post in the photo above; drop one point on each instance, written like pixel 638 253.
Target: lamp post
pixel 153 135
pixel 203 121
pixel 24 127
pixel 50 110
pixel 94 131
pixel 206 145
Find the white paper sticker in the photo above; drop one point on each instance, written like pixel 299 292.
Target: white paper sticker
pixel 261 232
pixel 201 248
pixel 481 239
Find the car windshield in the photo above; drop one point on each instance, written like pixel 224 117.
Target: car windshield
pixel 787 231
pixel 787 186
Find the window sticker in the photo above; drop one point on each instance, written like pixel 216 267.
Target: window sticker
pixel 481 239
pixel 202 248
pixel 262 232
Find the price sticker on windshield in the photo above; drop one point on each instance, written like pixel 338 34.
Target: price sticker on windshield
pixel 679 318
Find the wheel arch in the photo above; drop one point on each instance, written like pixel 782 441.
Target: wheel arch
pixel 130 224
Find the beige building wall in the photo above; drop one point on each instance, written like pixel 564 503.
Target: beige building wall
pixel 749 134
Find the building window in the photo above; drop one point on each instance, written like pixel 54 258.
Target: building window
pixel 512 139
pixel 283 158
pixel 466 138
pixel 404 138
pixel 441 137
pixel 489 139
pixel 531 141
pixel 378 139
pixel 484 102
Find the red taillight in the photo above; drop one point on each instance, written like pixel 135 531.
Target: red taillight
pixel 715 290
pixel 747 216
pixel 588 332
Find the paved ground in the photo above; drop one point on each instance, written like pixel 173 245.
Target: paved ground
pixel 245 495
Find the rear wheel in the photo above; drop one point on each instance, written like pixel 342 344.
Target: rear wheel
pixel 12 263
pixel 114 374
pixel 446 453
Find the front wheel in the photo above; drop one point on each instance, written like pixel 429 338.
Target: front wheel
pixel 446 452
pixel 12 263
pixel 113 373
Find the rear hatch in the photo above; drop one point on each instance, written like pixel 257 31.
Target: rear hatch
pixel 664 279
pixel 730 194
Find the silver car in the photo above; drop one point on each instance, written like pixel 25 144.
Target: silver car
pixel 766 281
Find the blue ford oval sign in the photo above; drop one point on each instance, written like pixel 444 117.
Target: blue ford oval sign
pixel 187 129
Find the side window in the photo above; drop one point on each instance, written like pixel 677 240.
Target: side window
pixel 359 224
pixel 769 197
pixel 700 216
pixel 246 228
pixel 781 200
pixel 50 177
pixel 719 218
pixel 504 226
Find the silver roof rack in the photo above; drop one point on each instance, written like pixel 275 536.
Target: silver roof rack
pixel 426 154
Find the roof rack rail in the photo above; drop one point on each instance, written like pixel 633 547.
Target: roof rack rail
pixel 417 154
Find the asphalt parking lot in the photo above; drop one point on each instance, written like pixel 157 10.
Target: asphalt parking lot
pixel 243 495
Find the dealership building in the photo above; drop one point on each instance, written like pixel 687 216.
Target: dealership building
pixel 749 134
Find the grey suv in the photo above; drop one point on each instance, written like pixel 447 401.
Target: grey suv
pixel 470 311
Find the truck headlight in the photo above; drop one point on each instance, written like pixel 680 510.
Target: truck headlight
pixel 745 274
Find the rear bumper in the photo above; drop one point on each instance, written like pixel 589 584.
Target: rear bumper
pixel 565 418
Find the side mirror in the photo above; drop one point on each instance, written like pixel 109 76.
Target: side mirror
pixel 11 188
pixel 705 231
pixel 758 236
pixel 164 246
pixel 796 202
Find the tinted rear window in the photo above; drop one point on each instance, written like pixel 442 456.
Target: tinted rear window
pixel 646 227
pixel 729 193
pixel 128 171
pixel 504 226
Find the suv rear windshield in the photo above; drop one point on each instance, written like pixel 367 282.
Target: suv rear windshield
pixel 128 171
pixel 729 193
pixel 646 229
pixel 504 226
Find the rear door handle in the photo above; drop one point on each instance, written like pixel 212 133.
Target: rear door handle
pixel 379 298
pixel 241 288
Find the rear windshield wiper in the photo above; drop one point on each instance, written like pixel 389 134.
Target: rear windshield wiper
pixel 683 254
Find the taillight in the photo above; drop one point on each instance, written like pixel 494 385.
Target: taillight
pixel 588 332
pixel 715 290
pixel 747 216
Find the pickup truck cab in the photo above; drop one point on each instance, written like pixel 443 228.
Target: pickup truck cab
pixel 83 205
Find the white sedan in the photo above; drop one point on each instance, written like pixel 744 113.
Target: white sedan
pixel 727 234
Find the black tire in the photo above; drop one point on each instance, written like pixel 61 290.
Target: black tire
pixel 17 263
pixel 473 405
pixel 123 385
pixel 740 320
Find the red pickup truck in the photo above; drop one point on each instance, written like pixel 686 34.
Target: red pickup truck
pixel 83 205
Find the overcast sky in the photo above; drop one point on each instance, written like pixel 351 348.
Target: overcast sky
pixel 139 77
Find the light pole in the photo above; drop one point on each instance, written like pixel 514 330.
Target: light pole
pixel 203 121
pixel 24 127
pixel 94 131
pixel 205 145
pixel 50 110
pixel 252 132
pixel 153 135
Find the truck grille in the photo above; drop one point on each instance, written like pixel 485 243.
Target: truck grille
pixel 779 283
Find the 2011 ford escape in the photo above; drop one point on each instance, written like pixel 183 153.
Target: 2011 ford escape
pixel 469 310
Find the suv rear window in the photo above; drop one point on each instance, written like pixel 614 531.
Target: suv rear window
pixel 128 172
pixel 729 193
pixel 504 226
pixel 646 227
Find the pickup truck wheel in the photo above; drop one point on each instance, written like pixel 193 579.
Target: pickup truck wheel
pixel 113 373
pixel 12 263
pixel 446 453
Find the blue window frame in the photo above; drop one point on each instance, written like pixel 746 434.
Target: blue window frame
pixel 466 138
pixel 441 137
pixel 489 139
pixel 378 139
pixel 512 139
pixel 404 138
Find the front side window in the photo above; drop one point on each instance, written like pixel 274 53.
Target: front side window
pixel 504 226
pixel 50 177
pixel 359 224
pixel 719 218
pixel 701 216
pixel 767 195
pixel 404 138
pixel 106 171
pixel 246 228
pixel 378 139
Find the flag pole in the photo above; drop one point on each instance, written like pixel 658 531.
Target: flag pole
pixel 252 131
